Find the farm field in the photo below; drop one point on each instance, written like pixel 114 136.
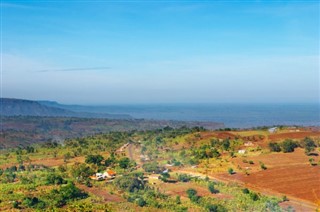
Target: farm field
pixel 287 173
pixel 221 169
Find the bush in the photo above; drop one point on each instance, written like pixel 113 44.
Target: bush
pixel 309 145
pixel 129 183
pixel 254 196
pixel 54 179
pixel 230 171
pixel 212 188
pixel 191 192
pixel 66 193
pixel 184 177
pixel 33 202
pixel 262 166
pixel 94 159
pixel 151 167
pixel 274 147
pixel 288 146
pixel 178 200
pixel 215 208
pixel 141 202
pixel 245 191
pixel 81 171
pixel 124 163
pixel 15 204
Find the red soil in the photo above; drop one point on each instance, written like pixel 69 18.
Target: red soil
pixel 293 135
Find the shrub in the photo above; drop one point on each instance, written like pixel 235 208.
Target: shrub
pixel 178 200
pixel 230 171
pixel 33 202
pixel 81 171
pixel 212 188
pixel 15 204
pixel 215 208
pixel 124 163
pixel 245 191
pixel 262 166
pixel 54 179
pixel 94 159
pixel 184 177
pixel 274 147
pixel 129 183
pixel 288 145
pixel 191 192
pixel 66 193
pixel 309 145
pixel 141 202
pixel 151 167
pixel 254 196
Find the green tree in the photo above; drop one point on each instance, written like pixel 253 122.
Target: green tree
pixel 151 167
pixel 178 200
pixel 309 145
pixel 191 192
pixel 288 145
pixel 94 159
pixel 129 183
pixel 124 163
pixel 212 188
pixel 184 177
pixel 54 179
pixel 274 147
pixel 81 171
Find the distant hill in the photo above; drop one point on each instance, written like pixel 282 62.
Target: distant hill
pixel 21 107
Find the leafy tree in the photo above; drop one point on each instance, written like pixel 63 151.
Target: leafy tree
pixel 184 177
pixel 212 188
pixel 129 183
pixel 81 171
pixel 15 204
pixel 109 161
pixel 54 179
pixel 254 196
pixel 94 159
pixel 288 145
pixel 215 208
pixel 33 202
pixel 141 202
pixel 245 191
pixel 151 167
pixel 124 162
pixel 30 149
pixel 274 147
pixel 230 171
pixel 262 166
pixel 191 192
pixel 67 157
pixel 66 193
pixel 9 176
pixel 164 177
pixel 309 145
pixel 226 144
pixel 178 200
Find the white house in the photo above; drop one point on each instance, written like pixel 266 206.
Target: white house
pixel 242 151
pixel 273 129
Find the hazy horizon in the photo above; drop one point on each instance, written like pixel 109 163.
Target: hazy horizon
pixel 108 53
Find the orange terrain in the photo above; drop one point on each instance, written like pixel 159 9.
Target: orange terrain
pixel 287 173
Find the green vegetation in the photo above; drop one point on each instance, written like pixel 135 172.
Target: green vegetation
pixel 146 173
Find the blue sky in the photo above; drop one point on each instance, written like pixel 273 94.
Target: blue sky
pixel 103 52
